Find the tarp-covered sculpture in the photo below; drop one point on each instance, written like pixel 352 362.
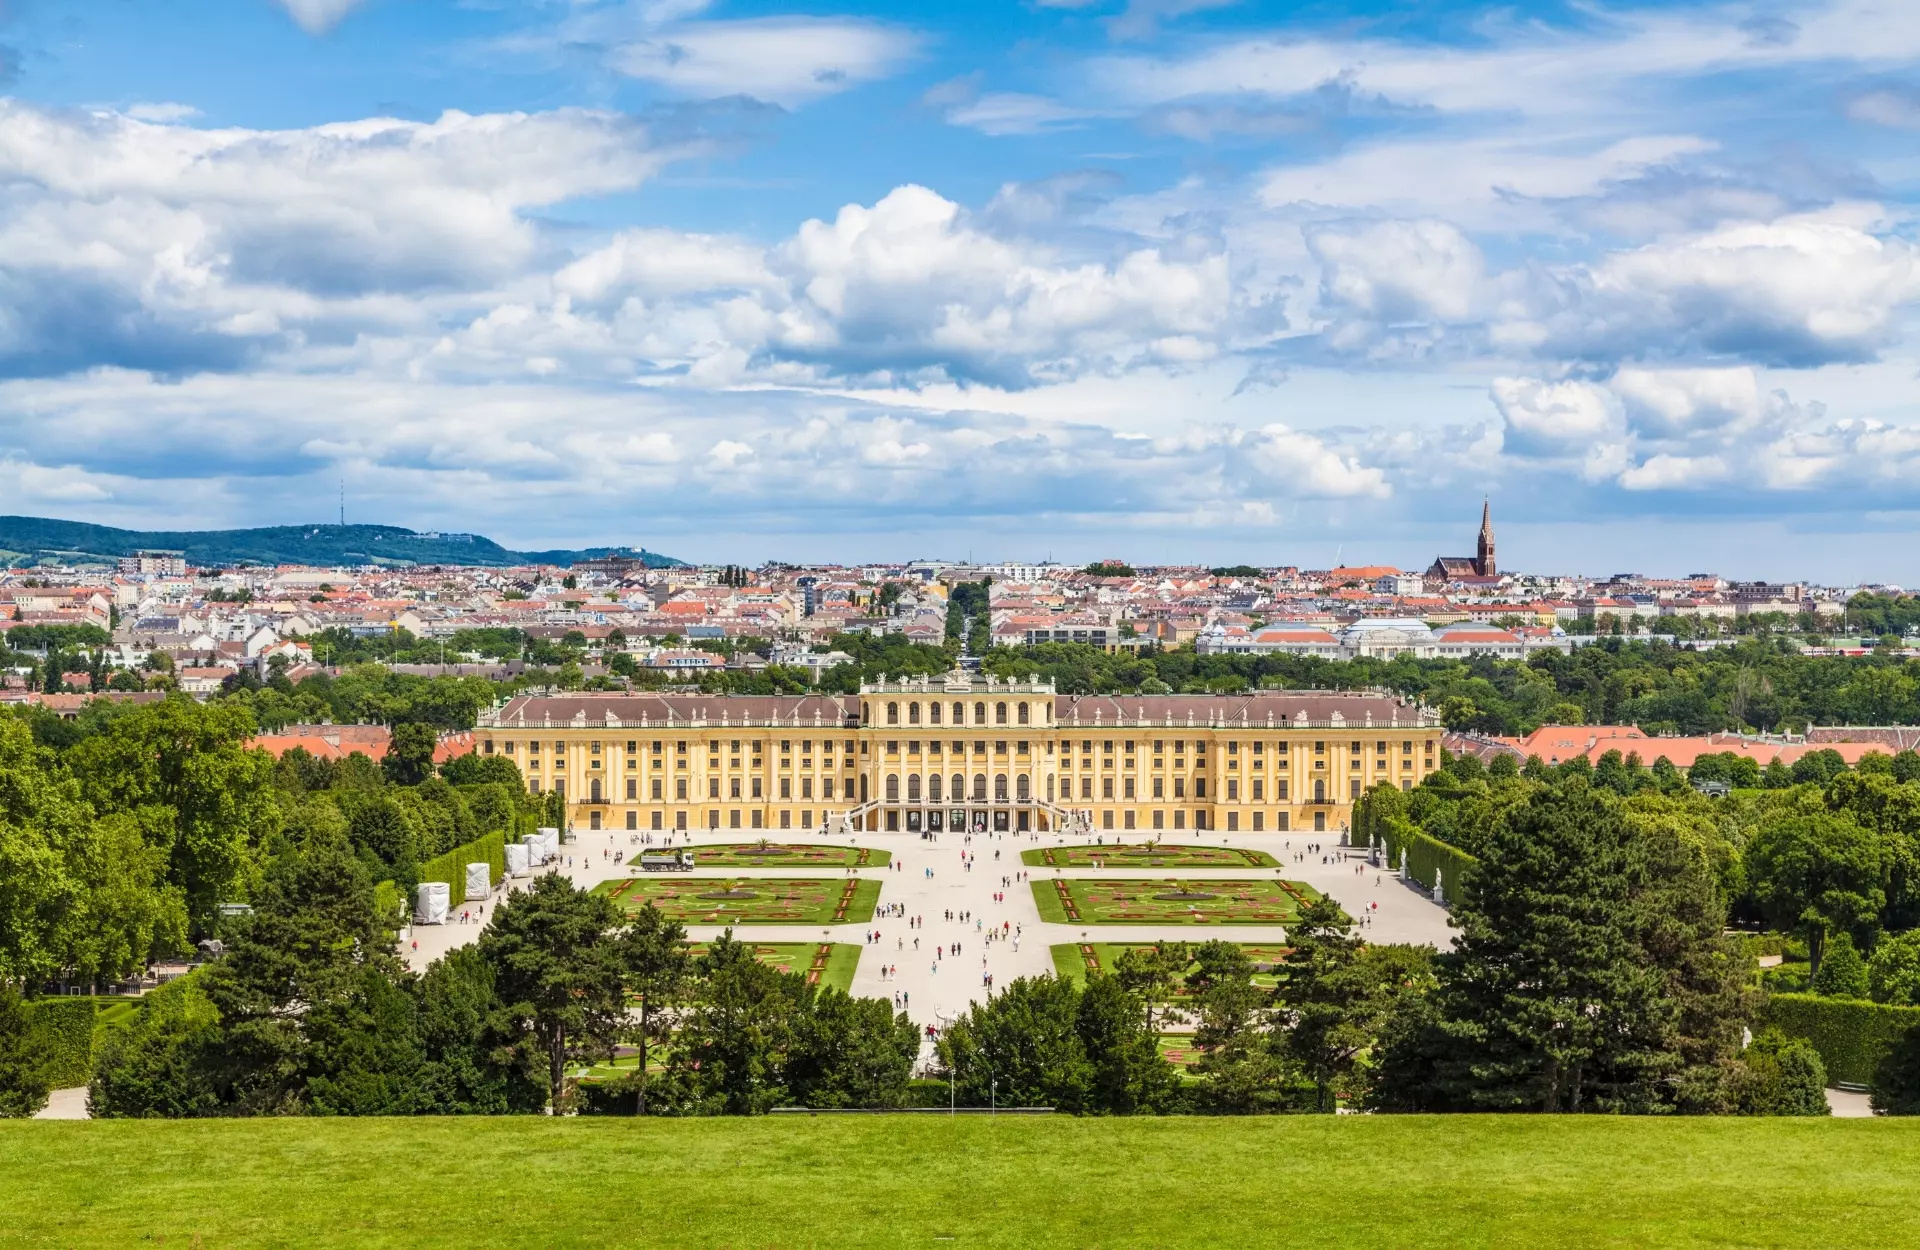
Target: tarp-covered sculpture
pixel 479 881
pixel 430 903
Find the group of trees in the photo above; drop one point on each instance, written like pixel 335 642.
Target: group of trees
pixel 310 1012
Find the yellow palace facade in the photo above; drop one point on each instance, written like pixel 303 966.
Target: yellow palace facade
pixel 962 752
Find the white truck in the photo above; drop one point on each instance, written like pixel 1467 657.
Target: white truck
pixel 666 861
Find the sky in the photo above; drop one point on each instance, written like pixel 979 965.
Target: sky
pixel 1162 280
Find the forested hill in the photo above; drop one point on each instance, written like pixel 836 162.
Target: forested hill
pixel 25 538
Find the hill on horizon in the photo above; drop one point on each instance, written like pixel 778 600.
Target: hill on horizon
pixel 26 540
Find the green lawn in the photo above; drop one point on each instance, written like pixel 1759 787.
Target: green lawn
pixel 1146 855
pixel 1169 901
pixel 749 900
pixel 1073 961
pixel 1022 1182
pixel 784 855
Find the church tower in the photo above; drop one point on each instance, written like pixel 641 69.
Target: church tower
pixel 1485 560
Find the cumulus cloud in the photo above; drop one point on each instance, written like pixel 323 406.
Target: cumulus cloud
pixel 1555 417
pixel 190 248
pixel 784 60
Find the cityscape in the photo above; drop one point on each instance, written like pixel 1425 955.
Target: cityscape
pixel 1081 623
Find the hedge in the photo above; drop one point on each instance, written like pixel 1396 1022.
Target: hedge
pixel 452 867
pixel 1426 855
pixel 390 904
pixel 1851 1034
pixel 62 1030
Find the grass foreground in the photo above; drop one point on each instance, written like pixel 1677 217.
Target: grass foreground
pixel 1041 1181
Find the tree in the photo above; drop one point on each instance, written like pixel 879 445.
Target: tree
pixel 1893 974
pixel 1815 873
pixel 1843 974
pixel 654 951
pixel 851 1052
pixel 558 967
pixel 1152 972
pixel 201 795
pixel 1127 1073
pixel 409 758
pixel 1240 1069
pixel 1545 997
pixel 1334 995
pixel 24 1084
pixel 1022 1046
pixel 734 1042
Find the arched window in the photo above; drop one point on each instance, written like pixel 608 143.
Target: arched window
pixel 959 788
pixel 1050 786
pixel 1021 789
pixel 1023 713
pixel 913 788
pixel 933 713
pixel 1319 791
pixel 933 784
pixel 893 713
pixel 1049 708
pixel 1000 787
pixel 595 787
pixel 913 713
pixel 959 713
pixel 979 787
pixel 863 787
pixel 893 788
pixel 866 713
pixel 999 713
pixel 979 713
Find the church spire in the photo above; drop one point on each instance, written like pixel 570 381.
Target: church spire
pixel 1485 557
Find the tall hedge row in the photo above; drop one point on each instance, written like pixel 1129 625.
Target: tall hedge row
pixel 62 1030
pixel 452 867
pixel 1426 856
pixel 1851 1034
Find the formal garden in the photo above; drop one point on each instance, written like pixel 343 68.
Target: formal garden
pixel 749 900
pixel 1076 961
pixel 1170 901
pixel 1147 855
pixel 786 855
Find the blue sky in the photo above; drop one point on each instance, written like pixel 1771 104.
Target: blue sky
pixel 1166 279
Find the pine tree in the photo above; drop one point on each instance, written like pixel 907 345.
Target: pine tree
pixel 1546 1000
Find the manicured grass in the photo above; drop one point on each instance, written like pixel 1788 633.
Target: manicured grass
pixel 1074 961
pixel 785 855
pixel 828 964
pixel 1018 1182
pixel 1140 900
pixel 760 900
pixel 1147 855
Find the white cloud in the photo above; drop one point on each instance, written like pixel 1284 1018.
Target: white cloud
pixel 1555 417
pixel 1394 270
pixel 317 17
pixel 1012 113
pixel 783 60
pixel 1887 107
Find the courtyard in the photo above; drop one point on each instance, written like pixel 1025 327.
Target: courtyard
pixel 787 855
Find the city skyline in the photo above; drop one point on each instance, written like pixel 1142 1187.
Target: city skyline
pixel 1189 283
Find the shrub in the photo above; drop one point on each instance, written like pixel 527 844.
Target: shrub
pixel 1896 1083
pixel 1784 1077
pixel 1843 974
pixel 1852 1035
pixel 61 1031
pixel 23 1074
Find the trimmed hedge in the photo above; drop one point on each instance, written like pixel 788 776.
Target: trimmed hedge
pixel 452 867
pixel 1851 1034
pixel 62 1030
pixel 1426 855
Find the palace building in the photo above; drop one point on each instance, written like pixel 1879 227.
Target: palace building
pixel 963 751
